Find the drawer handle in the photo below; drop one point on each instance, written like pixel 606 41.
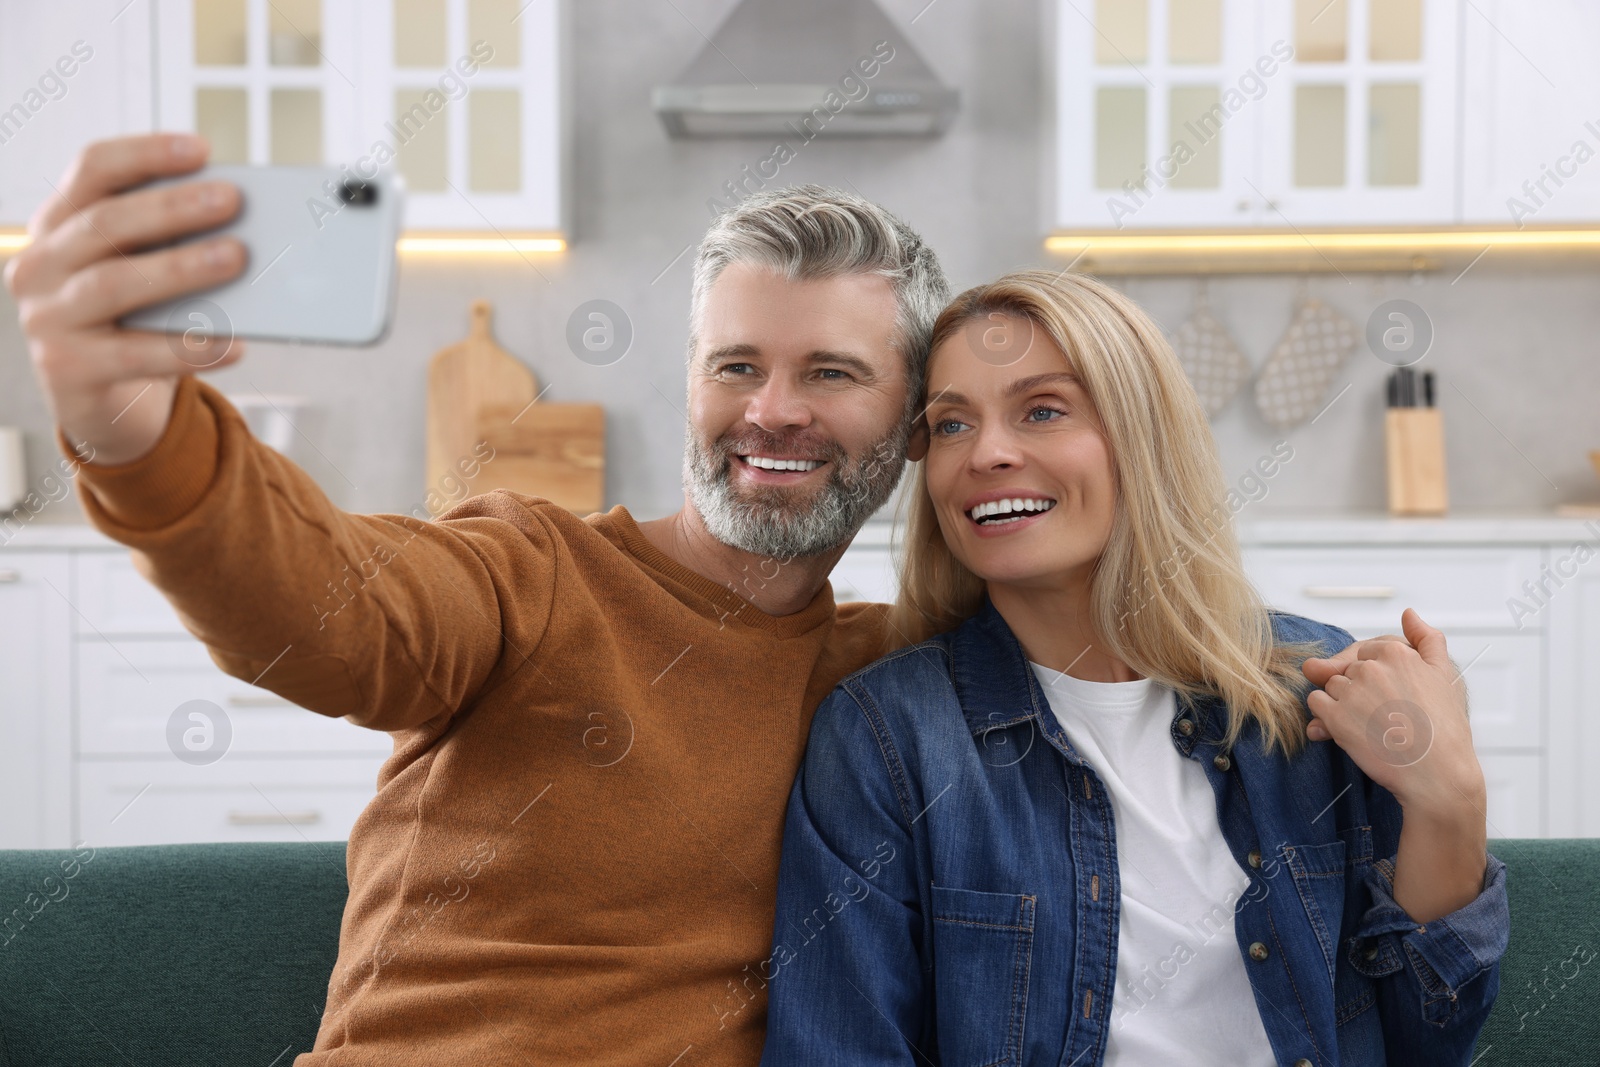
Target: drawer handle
pixel 10 574
pixel 256 700
pixel 1350 592
pixel 273 818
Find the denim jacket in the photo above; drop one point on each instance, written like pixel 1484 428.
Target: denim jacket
pixel 949 886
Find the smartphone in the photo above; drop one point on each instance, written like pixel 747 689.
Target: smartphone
pixel 321 259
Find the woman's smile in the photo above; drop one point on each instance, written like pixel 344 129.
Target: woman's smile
pixel 1002 511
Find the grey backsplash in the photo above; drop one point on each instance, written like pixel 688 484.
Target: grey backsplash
pixel 1514 350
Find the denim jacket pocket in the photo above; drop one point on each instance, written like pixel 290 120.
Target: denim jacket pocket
pixel 982 958
pixel 1319 878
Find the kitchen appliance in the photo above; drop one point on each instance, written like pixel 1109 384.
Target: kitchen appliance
pixel 776 68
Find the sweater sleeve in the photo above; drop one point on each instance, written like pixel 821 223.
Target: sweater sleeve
pixel 387 620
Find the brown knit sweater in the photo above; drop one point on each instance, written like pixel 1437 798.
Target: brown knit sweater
pixel 572 855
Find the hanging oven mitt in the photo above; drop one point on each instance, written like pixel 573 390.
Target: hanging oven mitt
pixel 1210 357
pixel 1295 378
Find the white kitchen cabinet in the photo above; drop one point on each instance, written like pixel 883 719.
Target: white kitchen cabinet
pixel 1138 141
pixel 128 689
pixel 98 736
pixel 1573 609
pixel 1464 587
pixel 472 94
pixel 465 99
pixel 35 705
pixel 266 81
pixel 1517 794
pixel 95 662
pixel 162 801
pixel 1463 590
pixel 1530 126
pixel 70 73
pixel 1364 129
pixel 1230 113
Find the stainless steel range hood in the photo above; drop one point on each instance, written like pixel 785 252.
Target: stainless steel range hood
pixel 806 68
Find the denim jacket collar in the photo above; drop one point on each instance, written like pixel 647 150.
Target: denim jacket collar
pixel 997 687
pixel 993 681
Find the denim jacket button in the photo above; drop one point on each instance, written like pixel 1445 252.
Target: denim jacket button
pixel 1303 1063
pixel 1185 727
pixel 1221 762
pixel 1372 951
pixel 1254 857
pixel 1258 951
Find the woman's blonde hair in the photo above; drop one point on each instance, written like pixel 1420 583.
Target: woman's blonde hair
pixel 1169 594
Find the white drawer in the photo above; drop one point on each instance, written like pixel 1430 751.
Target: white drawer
pixel 1366 588
pixel 162 801
pixel 1505 680
pixel 113 598
pixel 129 690
pixel 1516 794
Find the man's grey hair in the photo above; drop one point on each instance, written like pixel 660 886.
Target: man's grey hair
pixel 808 231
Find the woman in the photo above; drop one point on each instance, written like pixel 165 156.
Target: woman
pixel 1113 813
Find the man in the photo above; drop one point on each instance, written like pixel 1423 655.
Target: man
pixel 572 854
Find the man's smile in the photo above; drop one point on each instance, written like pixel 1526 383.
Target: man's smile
pixel 777 469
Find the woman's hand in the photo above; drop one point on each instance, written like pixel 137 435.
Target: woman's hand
pixel 1398 707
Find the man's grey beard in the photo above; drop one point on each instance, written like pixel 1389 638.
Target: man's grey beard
pixel 768 521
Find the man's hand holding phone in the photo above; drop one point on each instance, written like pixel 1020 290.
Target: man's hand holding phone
pixel 90 262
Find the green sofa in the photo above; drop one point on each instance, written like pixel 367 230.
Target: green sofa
pixel 220 954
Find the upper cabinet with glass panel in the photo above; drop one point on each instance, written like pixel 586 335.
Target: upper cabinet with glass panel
pixel 266 81
pixel 464 98
pixel 1226 113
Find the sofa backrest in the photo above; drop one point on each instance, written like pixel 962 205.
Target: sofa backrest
pixel 1548 1008
pixel 184 954
pixel 167 954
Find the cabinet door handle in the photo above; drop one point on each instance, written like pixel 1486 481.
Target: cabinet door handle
pixel 256 700
pixel 1350 592
pixel 10 574
pixel 273 818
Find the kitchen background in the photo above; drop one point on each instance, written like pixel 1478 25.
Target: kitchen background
pixel 1514 347
pixel 1506 91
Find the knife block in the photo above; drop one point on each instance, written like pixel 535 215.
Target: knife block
pixel 1414 440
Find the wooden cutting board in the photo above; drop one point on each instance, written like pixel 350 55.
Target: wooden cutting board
pixel 479 394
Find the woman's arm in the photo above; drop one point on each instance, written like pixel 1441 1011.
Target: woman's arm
pixel 1436 980
pixel 847 962
pixel 1440 863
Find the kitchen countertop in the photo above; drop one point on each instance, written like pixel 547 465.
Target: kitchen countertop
pixel 1326 529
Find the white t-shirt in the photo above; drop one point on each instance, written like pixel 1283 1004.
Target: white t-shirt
pixel 1181 995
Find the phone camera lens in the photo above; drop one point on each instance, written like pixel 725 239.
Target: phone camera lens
pixel 361 194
